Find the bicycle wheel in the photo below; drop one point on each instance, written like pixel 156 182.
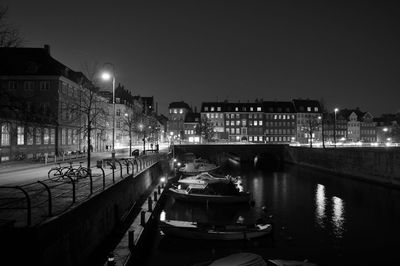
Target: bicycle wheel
pixel 54 174
pixel 82 173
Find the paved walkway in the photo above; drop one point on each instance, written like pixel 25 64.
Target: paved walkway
pixel 14 204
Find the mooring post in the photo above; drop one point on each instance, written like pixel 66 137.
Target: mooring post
pixel 131 242
pixel 150 204
pixel 143 218
pixel 155 195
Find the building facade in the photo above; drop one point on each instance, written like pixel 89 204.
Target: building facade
pixel 176 117
pixel 280 122
pixel 308 120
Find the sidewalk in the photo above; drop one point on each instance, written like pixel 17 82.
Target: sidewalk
pixel 8 167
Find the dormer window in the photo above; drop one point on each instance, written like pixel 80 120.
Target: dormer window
pixel 251 109
pixel 259 109
pixel 206 108
pixel 308 109
pixel 315 109
pixel 219 109
pixel 175 111
pixel 181 111
pixel 236 109
pixel 212 109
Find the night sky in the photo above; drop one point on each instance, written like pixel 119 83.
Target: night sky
pixel 347 53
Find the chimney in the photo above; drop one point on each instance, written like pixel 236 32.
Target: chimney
pixel 156 108
pixel 47 48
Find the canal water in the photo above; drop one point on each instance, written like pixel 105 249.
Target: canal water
pixel 326 219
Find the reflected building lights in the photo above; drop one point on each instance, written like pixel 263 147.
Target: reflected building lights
pixel 338 217
pixel 320 204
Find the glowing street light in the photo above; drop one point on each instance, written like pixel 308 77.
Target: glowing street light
pixel 106 76
pixel 334 127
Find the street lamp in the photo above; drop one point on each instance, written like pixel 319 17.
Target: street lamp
pixel 320 118
pixel 144 137
pixel 334 127
pixel 106 76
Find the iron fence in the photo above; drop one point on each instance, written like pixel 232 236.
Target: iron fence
pixel 32 203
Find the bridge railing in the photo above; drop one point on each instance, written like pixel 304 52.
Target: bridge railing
pixel 32 203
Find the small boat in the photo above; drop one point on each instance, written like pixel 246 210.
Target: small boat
pixel 240 259
pixel 211 193
pixel 194 230
pixel 197 166
pixel 206 178
pixel 290 263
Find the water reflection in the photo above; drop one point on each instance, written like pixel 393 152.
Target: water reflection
pixel 338 217
pixel 320 202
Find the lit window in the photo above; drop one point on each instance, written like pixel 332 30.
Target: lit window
pixel 238 123
pixel 181 111
pixel 20 135
pixel 219 109
pixel 175 111
pixel 315 109
pixel 5 134
pixel 251 109
pixel 308 109
pixel 255 122
pixel 238 131
pixel 38 136
pixel 206 108
pixel 260 123
pixel 236 109
pixel 258 109
pixel 29 136
pixel 212 109
pixel 46 136
pixel 52 136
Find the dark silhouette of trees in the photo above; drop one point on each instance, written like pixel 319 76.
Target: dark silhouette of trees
pixel 9 35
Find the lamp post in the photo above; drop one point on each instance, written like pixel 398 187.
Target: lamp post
pixel 321 118
pixel 144 138
pixel 107 76
pixel 172 144
pixel 334 127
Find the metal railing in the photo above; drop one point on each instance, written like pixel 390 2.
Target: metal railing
pixel 32 203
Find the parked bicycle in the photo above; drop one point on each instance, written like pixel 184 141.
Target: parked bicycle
pixel 62 172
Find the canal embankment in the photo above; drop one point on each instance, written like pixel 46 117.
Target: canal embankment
pixel 73 237
pixel 378 165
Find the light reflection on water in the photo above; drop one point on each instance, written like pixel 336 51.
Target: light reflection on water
pixel 320 204
pixel 338 219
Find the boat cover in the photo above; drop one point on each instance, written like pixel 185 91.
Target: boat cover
pixel 240 259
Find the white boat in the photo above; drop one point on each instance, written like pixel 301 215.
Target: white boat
pixel 208 193
pixel 206 178
pixel 194 230
pixel 197 166
pixel 290 263
pixel 240 259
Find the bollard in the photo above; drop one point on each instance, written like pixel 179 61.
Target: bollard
pixel 131 242
pixel 159 189
pixel 155 195
pixel 150 204
pixel 143 218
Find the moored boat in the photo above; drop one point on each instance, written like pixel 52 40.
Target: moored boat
pixel 211 193
pixel 197 166
pixel 206 178
pixel 194 230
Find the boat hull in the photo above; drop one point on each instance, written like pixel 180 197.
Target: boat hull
pixel 211 234
pixel 191 173
pixel 182 195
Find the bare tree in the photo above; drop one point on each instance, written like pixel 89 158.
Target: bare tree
pixel 9 35
pixel 89 109
pixel 130 124
pixel 313 124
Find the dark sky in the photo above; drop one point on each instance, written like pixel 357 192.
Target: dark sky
pixel 345 52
